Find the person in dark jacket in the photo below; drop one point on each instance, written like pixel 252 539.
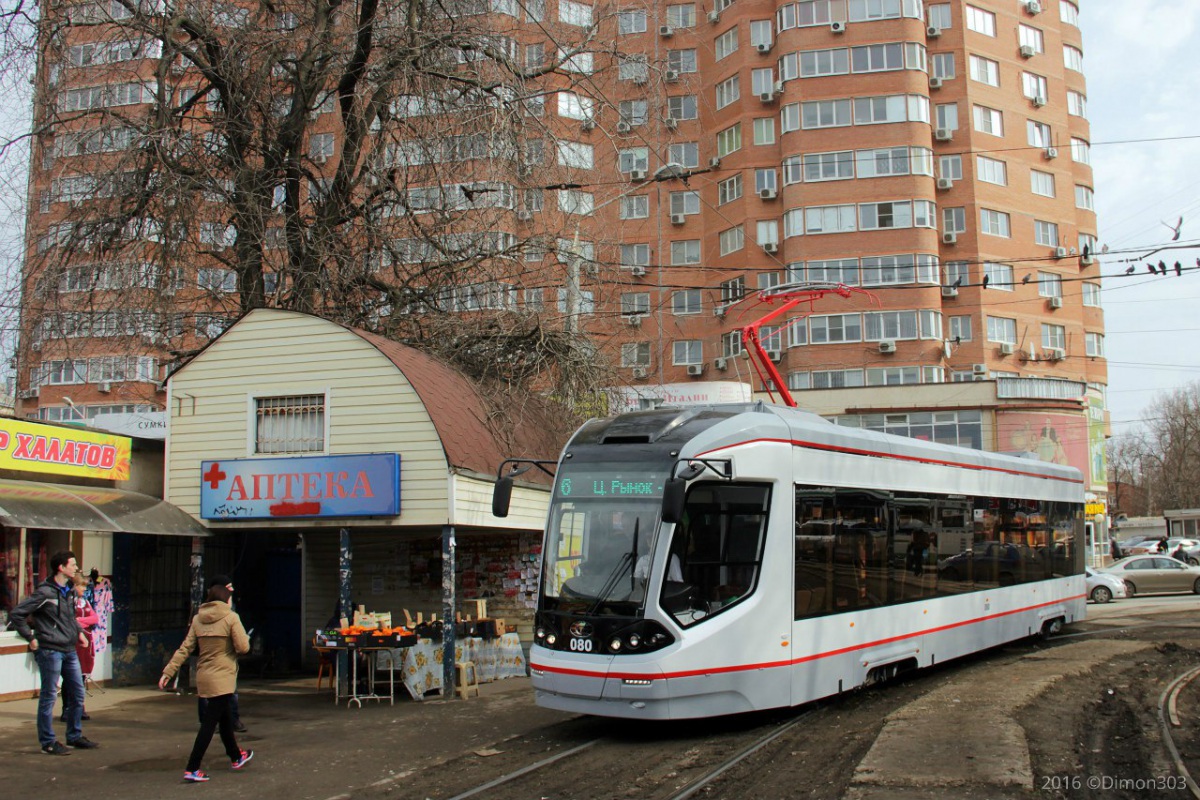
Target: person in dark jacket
pixel 47 620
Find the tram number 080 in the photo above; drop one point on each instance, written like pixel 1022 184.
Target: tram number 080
pixel 580 645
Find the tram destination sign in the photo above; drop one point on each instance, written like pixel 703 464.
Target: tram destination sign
pixel 609 483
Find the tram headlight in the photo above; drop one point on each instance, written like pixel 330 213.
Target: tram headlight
pixel 635 641
pixel 540 634
pixel 615 644
pixel 551 639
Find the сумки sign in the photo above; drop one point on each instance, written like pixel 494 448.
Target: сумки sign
pixel 319 486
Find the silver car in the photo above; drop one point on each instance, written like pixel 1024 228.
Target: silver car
pixel 1102 587
pixel 1155 573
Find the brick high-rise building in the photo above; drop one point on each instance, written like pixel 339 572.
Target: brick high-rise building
pixel 935 155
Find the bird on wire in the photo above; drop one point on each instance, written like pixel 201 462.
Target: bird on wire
pixel 983 284
pixel 1152 268
pixel 1178 268
pixel 1028 277
pixel 1162 267
pixel 1176 228
pixel 1131 269
pixel 958 280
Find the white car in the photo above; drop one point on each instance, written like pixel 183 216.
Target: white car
pixel 1102 587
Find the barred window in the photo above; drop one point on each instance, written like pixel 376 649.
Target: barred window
pixel 290 424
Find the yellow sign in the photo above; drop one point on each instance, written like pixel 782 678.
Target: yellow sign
pixel 1092 509
pixel 30 447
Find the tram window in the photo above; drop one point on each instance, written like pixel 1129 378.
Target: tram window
pixel 914 550
pixel 841 550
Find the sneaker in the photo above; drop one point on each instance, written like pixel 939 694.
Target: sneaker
pixel 83 743
pixel 56 749
pixel 241 762
pixel 199 776
pixel 238 727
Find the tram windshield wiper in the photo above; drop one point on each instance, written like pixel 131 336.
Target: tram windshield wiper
pixel 626 562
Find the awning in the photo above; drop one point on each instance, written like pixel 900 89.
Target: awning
pixel 26 504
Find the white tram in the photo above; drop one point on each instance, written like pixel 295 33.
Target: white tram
pixel 716 560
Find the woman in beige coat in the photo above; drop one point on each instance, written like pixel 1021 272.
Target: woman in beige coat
pixel 217 632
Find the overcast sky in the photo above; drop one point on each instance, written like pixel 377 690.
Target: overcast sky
pixel 1145 129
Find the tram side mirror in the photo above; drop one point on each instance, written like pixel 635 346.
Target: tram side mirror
pixel 502 496
pixel 673 496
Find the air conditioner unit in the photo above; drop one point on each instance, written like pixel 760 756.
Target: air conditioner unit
pixel 719 311
pixel 640 372
pixel 1033 7
pixel 670 76
pixel 887 346
pixel 1060 252
pixel 1027 51
pixel 640 80
pixel 770 247
pixel 837 27
pixel 933 31
pixel 29 394
pixel 671 123
pixel 637 271
pixel 634 320
pixel 588 124
pixel 666 31
pixel 1038 100
pixel 766 194
pixel 943 134
pixel 695 369
pixel 104 386
pixel 720 363
pixel 1050 153
pixel 945 183
pixel 714 16
pixel 778 87
pixel 935 83
pixel 949 238
pixel 1054 353
pixel 767 97
pixel 949 291
pixel 774 355
pixel 1006 349
pixel 979 369
pixel 637 175
pixel 1086 261
pixel 678 219
pixel 524 216
pixel 1056 302
pixel 623 127
pixel 714 162
pixel 763 47
pixel 320 158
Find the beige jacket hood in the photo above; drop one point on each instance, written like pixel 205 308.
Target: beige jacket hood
pixel 217 632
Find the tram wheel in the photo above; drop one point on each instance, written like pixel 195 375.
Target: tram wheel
pixel 1052 627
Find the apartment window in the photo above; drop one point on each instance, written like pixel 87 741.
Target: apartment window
pixel 688 351
pixel 1081 151
pixel 939 16
pixel 731 344
pixel 889 270
pixel 1045 233
pixel 837 379
pixel 865 10
pixel 726 44
pixel 764 130
pixel 1054 336
pixel 320 145
pixel 988 120
pixel 635 206
pixel 761 32
pixel 825 114
pixel 1034 86
pixel 1041 183
pixel 950 167
pixel 1087 242
pixel 941 65
pixel 984 70
pixel 631 22
pixel 1084 198
pixel 1091 295
pixel 733 290
pixel 999 276
pixel 835 328
pixel 685 202
pixel 682 61
pixel 878 216
pixel 1049 284
pixel 685 154
pixel 635 255
pixel 1076 103
pixel 217 234
pixel 728 91
pixel 880 110
pixel 729 189
pixel 574 106
pixel 981 21
pixel 841 270
pixel 819 63
pixel 994 223
pixel 218 281
pixel 837 166
pixel 633 303
pixel 535 55
pixel 633 158
pixel 793 222
pixel 685 301
pixel 958 273
pixel 767 281
pixel 633 112
pixel 1093 344
pixel 682 15
pixel 1002 330
pixel 789 68
pixel 830 219
pixel 789 118
pixel 1030 36
pixel 960 329
pixel 575 154
pixel 632 68
pixel 571 13
pixel 293 424
pixel 946 115
pixel 766 231
pixel 60 373
pixel 877 57
pixel 732 240
pixel 729 140
pixel 762 81
pixel 882 162
pixel 685 253
pixel 990 170
pixel 1068 12
pixel 635 354
pixel 954 220
pixel 1073 58
pixel 683 107
pixel 1038 133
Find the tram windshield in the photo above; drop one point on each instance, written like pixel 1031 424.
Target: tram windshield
pixel 603 527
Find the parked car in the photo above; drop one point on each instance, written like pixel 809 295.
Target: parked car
pixel 1150 546
pixel 1127 545
pixel 1102 587
pixel 1155 573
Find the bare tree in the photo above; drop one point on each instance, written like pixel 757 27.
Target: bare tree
pixel 1167 451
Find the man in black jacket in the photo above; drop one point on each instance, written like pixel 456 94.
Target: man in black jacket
pixel 47 619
